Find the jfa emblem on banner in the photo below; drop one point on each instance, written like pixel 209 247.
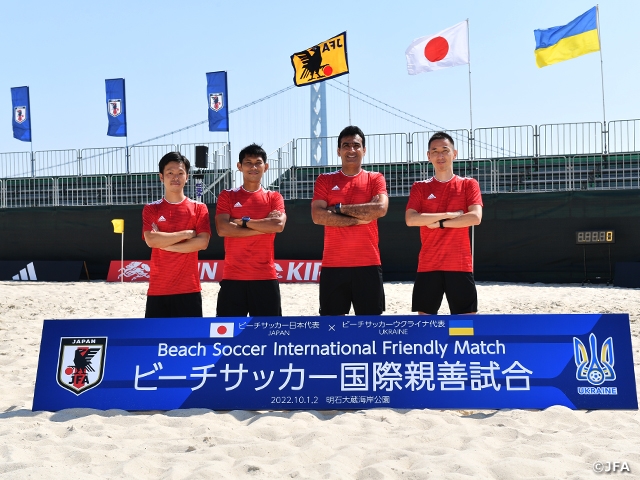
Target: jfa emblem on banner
pixel 595 371
pixel 81 363
pixel 115 107
pixel 326 60
pixel 216 101
pixel 20 114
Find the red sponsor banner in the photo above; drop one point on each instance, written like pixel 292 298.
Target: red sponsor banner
pixel 289 271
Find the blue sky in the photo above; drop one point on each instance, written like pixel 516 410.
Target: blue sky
pixel 65 50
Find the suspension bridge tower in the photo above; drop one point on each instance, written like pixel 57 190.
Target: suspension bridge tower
pixel 318 117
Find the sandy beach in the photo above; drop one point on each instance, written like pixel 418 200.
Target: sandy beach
pixel 378 443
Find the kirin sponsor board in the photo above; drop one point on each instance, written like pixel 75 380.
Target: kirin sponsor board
pixel 289 271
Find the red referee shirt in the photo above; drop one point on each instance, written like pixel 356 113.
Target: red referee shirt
pixel 174 273
pixel 249 258
pixel 357 245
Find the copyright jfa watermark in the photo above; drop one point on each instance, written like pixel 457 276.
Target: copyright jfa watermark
pixel 611 467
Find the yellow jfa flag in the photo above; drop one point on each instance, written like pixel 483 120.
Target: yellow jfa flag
pixel 321 62
pixel 118 225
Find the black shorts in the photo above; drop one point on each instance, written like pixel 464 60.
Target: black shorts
pixel 459 287
pixel 257 298
pixel 171 306
pixel 342 286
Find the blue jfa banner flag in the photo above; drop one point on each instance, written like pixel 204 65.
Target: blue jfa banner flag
pixel 21 113
pixel 116 109
pixel 218 101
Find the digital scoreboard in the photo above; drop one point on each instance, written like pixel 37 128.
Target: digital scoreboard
pixel 595 237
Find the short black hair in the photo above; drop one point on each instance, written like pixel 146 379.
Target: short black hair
pixel 350 131
pixel 441 136
pixel 253 150
pixel 174 157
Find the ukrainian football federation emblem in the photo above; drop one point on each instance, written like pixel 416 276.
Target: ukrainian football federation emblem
pixel 115 107
pixel 596 370
pixel 81 363
pixel 216 101
pixel 20 114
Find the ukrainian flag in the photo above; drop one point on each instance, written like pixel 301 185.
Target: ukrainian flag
pixel 461 327
pixel 578 37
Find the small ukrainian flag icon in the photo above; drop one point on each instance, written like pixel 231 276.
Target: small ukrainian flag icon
pixel 461 327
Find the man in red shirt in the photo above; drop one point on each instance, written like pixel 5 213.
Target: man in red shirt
pixel 444 207
pixel 176 228
pixel 348 202
pixel 248 217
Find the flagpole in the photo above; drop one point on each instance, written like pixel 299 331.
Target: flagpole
pixel 470 104
pixel 604 115
pixel 122 258
pixel 33 160
pixel 228 122
pixel 471 141
pixel 349 94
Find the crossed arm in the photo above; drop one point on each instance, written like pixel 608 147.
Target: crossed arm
pixel 356 214
pixel 184 241
pixel 232 227
pixel 457 219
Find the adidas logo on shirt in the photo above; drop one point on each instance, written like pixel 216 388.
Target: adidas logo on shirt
pixel 336 188
pixel 431 197
pixel 238 204
pixel 162 219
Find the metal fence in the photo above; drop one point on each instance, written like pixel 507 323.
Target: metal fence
pixel 571 139
pixel 16 164
pixel 49 163
pixel 420 144
pixel 31 192
pixel 381 148
pixel 521 141
pixel 525 158
pixel 505 142
pixel 624 136
pixel 85 190
pixel 280 162
pixel 95 161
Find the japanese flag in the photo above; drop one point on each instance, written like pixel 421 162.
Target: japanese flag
pixel 221 330
pixel 448 48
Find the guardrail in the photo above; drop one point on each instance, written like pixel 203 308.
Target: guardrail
pixel 522 158
pixel 497 175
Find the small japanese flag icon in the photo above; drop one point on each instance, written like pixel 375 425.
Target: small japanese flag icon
pixel 221 330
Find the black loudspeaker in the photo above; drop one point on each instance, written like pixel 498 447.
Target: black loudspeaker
pixel 202 154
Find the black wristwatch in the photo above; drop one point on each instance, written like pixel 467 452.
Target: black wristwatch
pixel 441 222
pixel 244 221
pixel 338 206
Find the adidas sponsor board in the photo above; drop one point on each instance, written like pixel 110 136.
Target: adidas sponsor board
pixel 40 271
